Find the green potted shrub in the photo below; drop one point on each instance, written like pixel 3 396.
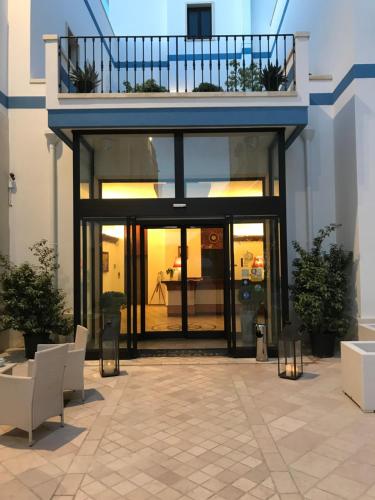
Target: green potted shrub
pixel 240 78
pixel 319 291
pixel 207 87
pixel 148 86
pixel 30 301
pixel 85 80
pixel 272 76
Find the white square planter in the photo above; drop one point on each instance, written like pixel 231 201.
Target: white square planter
pixel 358 372
pixel 366 331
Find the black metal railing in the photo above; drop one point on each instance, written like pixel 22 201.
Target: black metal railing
pixel 225 63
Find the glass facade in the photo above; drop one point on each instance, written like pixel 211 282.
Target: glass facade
pixel 205 275
pixel 230 165
pixel 129 166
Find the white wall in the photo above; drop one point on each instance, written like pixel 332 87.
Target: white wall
pixel 4 135
pixel 168 17
pixel 54 17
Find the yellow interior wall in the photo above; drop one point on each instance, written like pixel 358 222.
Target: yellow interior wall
pixel 162 251
pixel 240 249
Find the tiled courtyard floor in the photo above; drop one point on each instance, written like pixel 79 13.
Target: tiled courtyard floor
pixel 198 428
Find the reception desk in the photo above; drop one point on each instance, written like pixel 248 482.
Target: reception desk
pixel 204 296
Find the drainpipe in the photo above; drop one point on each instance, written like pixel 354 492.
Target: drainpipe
pixel 307 136
pixel 52 143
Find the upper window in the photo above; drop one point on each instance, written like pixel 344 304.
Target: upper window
pixel 199 21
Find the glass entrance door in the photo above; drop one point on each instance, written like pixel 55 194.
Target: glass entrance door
pixel 182 286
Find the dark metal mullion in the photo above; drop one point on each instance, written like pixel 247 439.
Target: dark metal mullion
pixel 76 229
pixel 184 285
pixel 232 287
pixel 84 273
pixel 128 288
pixel 179 165
pixel 134 274
pixel 143 279
pixel 227 309
pixel 283 227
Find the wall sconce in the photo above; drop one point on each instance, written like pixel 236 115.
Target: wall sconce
pixel 12 188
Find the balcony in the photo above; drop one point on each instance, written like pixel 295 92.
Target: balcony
pixel 178 64
pixel 174 82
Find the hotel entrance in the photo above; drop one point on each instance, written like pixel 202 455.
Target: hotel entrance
pixel 183 286
pixel 183 233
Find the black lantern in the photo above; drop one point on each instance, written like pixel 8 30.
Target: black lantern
pixel 290 362
pixel 109 349
pixel 111 303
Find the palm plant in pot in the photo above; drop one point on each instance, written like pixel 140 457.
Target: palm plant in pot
pixel 30 301
pixel 85 80
pixel 272 77
pixel 319 291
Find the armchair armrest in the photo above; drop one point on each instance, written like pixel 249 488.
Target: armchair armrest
pixel 43 347
pixel 15 392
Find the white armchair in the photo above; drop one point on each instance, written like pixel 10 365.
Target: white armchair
pixel 74 376
pixel 26 402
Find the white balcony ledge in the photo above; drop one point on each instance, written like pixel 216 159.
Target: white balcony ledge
pixel 175 95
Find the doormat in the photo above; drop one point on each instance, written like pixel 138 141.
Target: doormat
pixel 182 353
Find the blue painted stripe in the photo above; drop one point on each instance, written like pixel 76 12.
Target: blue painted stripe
pixel 177 117
pixel 26 102
pixel 321 99
pixel 280 24
pixel 357 71
pixel 3 100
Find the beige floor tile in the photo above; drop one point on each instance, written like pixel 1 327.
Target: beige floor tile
pixel 342 487
pixel 315 465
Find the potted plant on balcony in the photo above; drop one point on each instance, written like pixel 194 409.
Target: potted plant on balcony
pixel 85 80
pixel 319 291
pixel 207 87
pixel 272 77
pixel 148 86
pixel 30 301
pixel 240 78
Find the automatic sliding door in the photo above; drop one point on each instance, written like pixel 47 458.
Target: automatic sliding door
pixel 162 280
pixel 205 264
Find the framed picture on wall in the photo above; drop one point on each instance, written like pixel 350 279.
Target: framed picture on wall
pixel 105 262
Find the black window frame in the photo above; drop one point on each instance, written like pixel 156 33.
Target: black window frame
pixel 199 8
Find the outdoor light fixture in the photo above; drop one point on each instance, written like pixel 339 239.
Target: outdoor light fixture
pixel 290 364
pixel 109 351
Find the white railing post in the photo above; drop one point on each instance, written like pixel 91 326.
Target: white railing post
pixel 51 43
pixel 302 66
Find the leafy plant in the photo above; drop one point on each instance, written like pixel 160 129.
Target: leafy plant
pixel 30 301
pixel 272 76
pixel 85 80
pixel 170 272
pixel 148 86
pixel 207 87
pixel 241 78
pixel 319 291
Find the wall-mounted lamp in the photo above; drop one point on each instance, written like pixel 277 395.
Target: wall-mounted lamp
pixel 12 187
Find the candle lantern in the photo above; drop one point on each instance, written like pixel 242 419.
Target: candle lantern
pixel 109 342
pixel 290 364
pixel 109 350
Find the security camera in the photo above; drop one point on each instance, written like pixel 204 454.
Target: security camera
pixel 12 183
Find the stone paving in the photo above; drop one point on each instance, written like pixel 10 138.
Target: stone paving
pixel 198 428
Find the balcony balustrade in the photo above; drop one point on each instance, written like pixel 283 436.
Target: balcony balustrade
pixel 178 64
